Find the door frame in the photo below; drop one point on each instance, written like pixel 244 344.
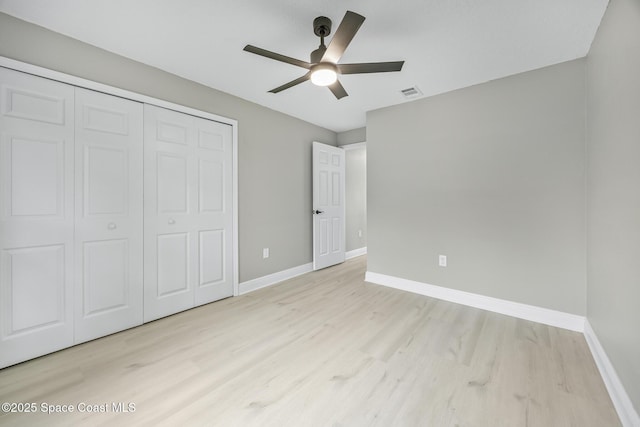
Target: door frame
pixel 122 93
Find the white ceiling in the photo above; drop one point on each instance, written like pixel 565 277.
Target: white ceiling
pixel 447 44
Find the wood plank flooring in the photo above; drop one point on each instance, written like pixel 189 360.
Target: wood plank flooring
pixel 323 349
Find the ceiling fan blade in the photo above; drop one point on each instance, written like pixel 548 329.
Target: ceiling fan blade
pixel 337 89
pixel 343 36
pixel 370 67
pixel 277 56
pixel 292 83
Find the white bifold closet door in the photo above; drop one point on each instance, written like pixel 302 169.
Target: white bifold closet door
pixel 108 220
pixel 112 213
pixel 36 216
pixel 188 212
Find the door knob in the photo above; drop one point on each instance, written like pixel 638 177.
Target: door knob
pixel 172 221
pixel 111 226
pixel 317 212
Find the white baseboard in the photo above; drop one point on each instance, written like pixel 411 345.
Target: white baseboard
pixel 272 279
pixel 627 413
pixel 354 253
pixel 546 316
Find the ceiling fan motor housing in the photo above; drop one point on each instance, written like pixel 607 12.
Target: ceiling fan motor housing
pixel 322 26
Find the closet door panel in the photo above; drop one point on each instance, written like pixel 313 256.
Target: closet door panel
pixel 105 272
pixel 212 257
pixel 213 217
pixel 36 286
pixel 172 183
pixel 36 216
pixel 173 264
pixel 106 181
pixel 109 265
pixel 170 244
pixel 35 167
pixel 188 211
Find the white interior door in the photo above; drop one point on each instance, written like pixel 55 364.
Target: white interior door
pixel 108 233
pixel 36 216
pixel 188 212
pixel 328 205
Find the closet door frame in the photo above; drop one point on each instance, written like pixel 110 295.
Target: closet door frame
pixel 88 84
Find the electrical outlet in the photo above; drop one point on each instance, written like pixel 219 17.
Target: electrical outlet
pixel 359 233
pixel 442 260
pixel 265 253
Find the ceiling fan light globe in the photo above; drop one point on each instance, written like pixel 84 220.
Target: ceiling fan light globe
pixel 323 76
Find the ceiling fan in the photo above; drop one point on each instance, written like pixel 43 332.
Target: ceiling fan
pixel 323 67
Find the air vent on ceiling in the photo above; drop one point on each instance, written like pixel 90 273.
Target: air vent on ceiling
pixel 411 92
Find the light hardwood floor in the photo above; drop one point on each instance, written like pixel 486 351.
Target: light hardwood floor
pixel 323 349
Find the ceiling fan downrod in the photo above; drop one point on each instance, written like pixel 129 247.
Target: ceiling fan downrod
pixel 321 28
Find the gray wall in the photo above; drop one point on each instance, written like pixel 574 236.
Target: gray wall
pixel 352 136
pixel 356 198
pixel 356 188
pixel 613 209
pixel 274 149
pixel 493 176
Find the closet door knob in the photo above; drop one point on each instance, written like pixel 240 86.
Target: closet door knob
pixel 172 221
pixel 112 226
